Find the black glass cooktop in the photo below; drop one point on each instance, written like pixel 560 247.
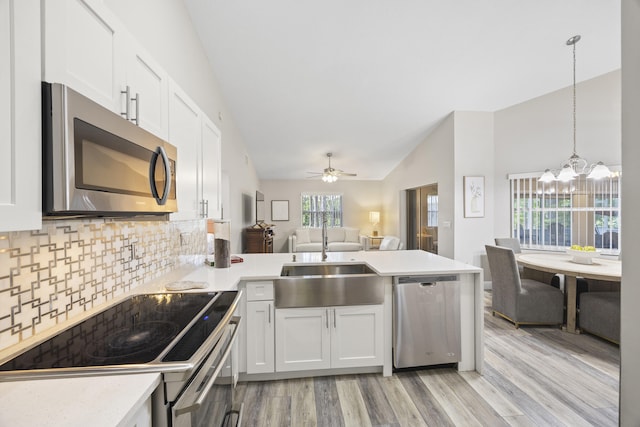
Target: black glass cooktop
pixel 134 331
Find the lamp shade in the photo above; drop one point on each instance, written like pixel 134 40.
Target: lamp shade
pixel 374 217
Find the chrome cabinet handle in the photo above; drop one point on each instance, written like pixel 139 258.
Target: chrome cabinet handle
pixel 136 120
pixel 334 318
pixel 126 114
pixel 269 313
pixel 326 312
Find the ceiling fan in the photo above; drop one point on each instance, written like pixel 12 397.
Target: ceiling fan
pixel 330 174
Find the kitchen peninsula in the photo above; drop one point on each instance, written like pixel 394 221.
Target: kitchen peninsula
pixel 259 270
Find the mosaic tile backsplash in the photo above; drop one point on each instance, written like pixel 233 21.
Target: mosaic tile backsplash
pixel 50 275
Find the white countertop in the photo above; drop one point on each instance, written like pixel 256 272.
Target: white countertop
pixel 107 400
pixel 268 266
pixel 84 401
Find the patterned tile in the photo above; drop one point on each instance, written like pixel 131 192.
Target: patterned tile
pixel 69 266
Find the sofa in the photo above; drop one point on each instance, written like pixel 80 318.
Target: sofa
pixel 339 239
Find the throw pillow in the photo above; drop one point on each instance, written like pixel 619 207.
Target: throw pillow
pixel 351 235
pixel 302 235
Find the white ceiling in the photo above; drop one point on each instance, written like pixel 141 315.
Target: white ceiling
pixel 368 79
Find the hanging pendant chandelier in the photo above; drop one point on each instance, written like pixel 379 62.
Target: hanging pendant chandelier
pixel 575 165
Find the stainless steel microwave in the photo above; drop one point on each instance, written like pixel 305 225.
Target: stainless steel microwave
pixel 96 163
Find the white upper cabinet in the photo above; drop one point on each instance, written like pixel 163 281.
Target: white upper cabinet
pixel 88 49
pixel 185 133
pixel 211 169
pixel 20 125
pixel 83 49
pixel 146 92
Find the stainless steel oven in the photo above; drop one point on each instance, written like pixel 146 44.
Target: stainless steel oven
pixel 208 399
pixel 96 163
pixel 189 338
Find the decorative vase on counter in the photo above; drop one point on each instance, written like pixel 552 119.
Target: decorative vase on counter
pixel 222 244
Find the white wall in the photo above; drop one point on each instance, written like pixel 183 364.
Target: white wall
pixel 473 156
pixel 537 134
pixel 630 315
pixel 462 145
pixel 429 163
pixel 172 41
pixel 360 197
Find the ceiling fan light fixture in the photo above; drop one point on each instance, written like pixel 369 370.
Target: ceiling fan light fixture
pixel 327 177
pixel 330 174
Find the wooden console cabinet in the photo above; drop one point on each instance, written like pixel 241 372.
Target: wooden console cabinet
pixel 258 240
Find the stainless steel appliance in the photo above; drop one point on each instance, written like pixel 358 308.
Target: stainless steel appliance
pixel 426 320
pixel 96 163
pixel 187 337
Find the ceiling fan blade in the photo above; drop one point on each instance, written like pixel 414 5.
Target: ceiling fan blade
pixel 348 174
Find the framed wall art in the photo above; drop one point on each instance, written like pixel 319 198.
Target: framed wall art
pixel 473 196
pixel 279 210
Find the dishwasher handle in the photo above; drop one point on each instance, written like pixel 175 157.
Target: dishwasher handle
pixel 426 280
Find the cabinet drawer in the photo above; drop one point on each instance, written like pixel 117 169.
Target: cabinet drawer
pixel 258 291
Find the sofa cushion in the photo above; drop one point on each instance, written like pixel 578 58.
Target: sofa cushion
pixel 315 234
pixel 309 247
pixel 335 234
pixel 351 235
pixel 344 246
pixel 302 236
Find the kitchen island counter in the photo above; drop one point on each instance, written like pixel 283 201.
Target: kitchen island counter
pixel 268 267
pixel 116 399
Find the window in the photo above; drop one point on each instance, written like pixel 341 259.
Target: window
pixel 314 205
pixel 559 214
pixel 432 210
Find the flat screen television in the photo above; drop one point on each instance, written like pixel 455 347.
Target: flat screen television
pixel 260 210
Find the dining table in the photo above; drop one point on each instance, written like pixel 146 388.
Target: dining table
pixel 601 268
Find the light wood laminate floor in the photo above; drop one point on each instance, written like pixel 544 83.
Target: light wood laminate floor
pixel 533 377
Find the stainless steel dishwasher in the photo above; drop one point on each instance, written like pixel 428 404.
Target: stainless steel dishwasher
pixel 426 320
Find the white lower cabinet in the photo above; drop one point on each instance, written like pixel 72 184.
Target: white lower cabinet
pixel 260 329
pixel 331 337
pixel 260 335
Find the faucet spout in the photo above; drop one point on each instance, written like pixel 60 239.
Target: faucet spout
pixel 324 236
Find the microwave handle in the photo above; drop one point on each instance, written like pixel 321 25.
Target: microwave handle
pixel 167 173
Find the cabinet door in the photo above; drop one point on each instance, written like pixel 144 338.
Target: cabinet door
pixel 260 336
pixel 185 133
pixel 357 336
pixel 303 340
pixel 20 128
pixel 211 169
pixel 149 91
pixel 82 49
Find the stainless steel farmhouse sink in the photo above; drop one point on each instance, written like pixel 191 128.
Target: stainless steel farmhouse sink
pixel 313 285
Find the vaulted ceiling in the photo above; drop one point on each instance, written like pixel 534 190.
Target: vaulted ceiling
pixel 368 79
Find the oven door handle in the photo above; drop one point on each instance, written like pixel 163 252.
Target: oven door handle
pixel 191 404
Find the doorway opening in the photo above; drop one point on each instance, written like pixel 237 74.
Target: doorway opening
pixel 422 218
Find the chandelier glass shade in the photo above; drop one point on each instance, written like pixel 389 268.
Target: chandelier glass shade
pixel 575 165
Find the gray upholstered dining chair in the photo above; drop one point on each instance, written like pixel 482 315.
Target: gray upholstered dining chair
pixel 509 242
pixel 599 314
pixel 513 244
pixel 521 301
